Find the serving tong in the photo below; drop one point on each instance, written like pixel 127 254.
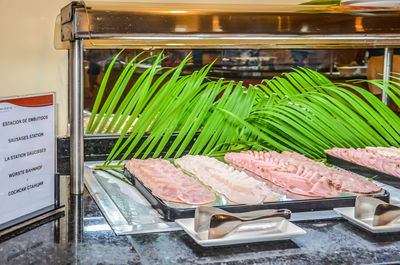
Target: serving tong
pixel 376 212
pixel 213 223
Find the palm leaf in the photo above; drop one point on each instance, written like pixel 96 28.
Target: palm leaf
pixel 100 94
pixel 114 97
pixel 301 111
pixel 148 109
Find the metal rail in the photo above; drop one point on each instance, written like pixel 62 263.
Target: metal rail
pixel 76 115
pixel 237 41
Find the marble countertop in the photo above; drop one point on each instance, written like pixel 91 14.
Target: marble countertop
pixel 83 236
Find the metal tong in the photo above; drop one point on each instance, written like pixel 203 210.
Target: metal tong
pixel 214 223
pixel 375 211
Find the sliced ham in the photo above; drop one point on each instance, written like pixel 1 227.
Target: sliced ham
pixel 235 185
pixel 384 159
pixel 169 183
pixel 282 170
pixel 272 186
pixel 347 182
pixel 300 175
pixel 388 152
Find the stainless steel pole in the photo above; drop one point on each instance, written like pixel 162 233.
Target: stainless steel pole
pixel 387 69
pixel 75 225
pixel 76 115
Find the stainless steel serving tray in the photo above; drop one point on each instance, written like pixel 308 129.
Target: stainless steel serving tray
pixel 172 211
pixel 123 206
pixel 128 212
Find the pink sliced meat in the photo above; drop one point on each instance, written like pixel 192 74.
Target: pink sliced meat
pixel 322 186
pixel 234 185
pixel 296 184
pixel 299 174
pixel 351 183
pixel 282 169
pixel 169 183
pixel 384 159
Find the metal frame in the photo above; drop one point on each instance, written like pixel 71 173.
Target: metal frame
pixel 76 115
pixel 387 69
pixel 146 25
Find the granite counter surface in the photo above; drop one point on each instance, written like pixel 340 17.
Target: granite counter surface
pixel 83 236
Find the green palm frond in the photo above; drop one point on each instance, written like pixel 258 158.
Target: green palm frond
pixel 100 93
pixel 166 113
pixel 323 116
pixel 114 97
pixel 322 2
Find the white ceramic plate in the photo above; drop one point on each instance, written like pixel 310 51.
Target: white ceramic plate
pixel 348 213
pixel 278 229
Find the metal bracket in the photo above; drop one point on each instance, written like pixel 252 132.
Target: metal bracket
pixel 67 32
pixel 67 21
pixel 67 12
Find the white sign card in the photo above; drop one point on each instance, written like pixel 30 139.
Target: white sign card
pixel 27 157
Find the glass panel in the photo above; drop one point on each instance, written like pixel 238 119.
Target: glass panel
pixel 249 66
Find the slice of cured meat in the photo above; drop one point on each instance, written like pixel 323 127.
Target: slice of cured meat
pixel 276 188
pixel 169 183
pixel 347 182
pixel 384 159
pixel 235 185
pixel 342 180
pixel 283 170
pixel 300 175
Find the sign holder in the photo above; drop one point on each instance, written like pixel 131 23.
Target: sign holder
pixel 25 123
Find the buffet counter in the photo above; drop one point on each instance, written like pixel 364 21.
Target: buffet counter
pixel 88 232
pixel 83 236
